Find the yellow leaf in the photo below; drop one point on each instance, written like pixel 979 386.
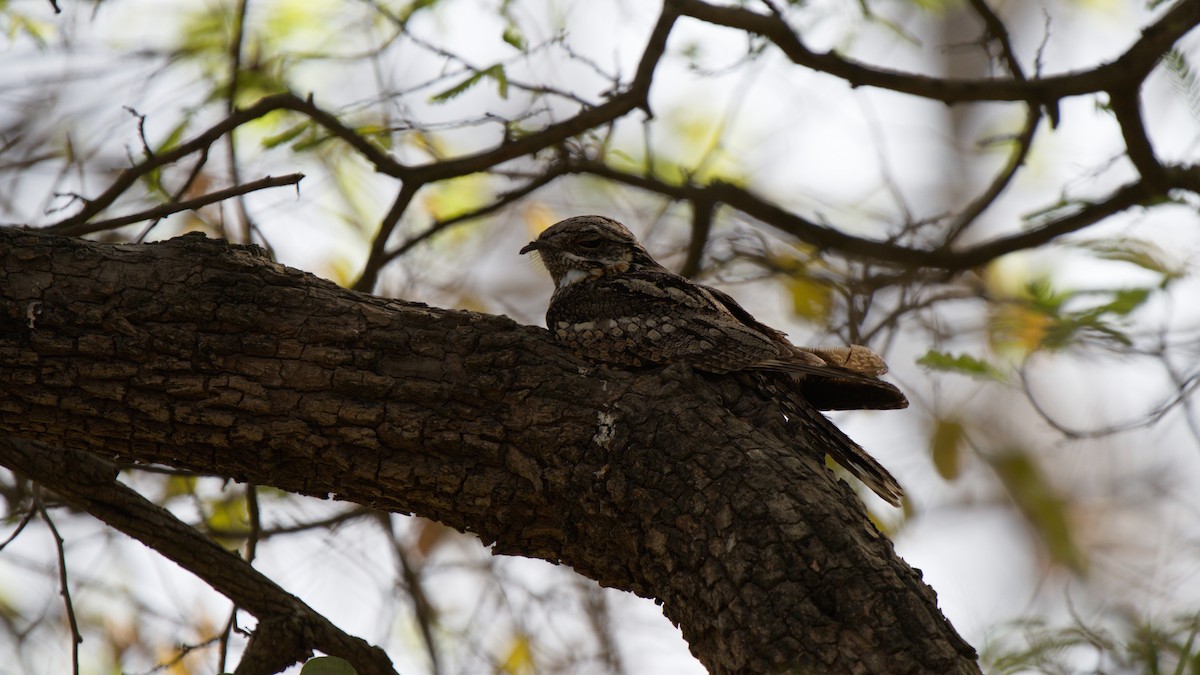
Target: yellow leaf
pixel 229 517
pixel 946 448
pixel 810 299
pixel 177 486
pixel 456 196
pixel 1017 328
pixel 520 657
pixel 341 270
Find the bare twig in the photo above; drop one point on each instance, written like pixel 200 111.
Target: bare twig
pixel 235 67
pixel 500 202
pixel 163 210
pixel 410 574
pixel 999 32
pixel 63 584
pixel 1016 159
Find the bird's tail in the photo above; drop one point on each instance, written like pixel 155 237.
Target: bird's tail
pixel 824 435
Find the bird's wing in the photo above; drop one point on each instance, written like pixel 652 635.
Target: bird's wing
pixel 656 317
pixel 822 434
pixel 838 378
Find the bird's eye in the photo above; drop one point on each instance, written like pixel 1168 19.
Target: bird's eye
pixel 590 242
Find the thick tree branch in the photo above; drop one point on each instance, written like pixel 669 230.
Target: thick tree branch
pixel 91 485
pixel 206 356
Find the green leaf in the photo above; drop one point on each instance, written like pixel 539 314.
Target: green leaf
pixel 327 665
pixel 413 7
pixel 175 136
pixel 964 364
pixel 287 135
pixel 1124 301
pixel 512 35
pixel 1043 296
pixel 458 89
pixel 495 72
pixel 1100 321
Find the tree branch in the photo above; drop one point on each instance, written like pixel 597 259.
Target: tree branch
pixel 91 485
pixel 942 258
pixel 163 210
pixel 206 356
pixel 1132 66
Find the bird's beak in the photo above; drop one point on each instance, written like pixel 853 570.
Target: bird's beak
pixel 531 246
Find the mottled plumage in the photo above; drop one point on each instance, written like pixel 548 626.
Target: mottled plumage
pixel 615 304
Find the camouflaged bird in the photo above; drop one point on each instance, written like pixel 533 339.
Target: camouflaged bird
pixel 614 303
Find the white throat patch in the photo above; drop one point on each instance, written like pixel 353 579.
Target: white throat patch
pixel 574 274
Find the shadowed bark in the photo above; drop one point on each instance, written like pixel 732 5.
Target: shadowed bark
pixel 206 356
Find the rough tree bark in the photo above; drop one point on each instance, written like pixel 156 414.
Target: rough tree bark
pixel 206 356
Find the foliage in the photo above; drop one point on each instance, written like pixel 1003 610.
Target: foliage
pixel 1123 642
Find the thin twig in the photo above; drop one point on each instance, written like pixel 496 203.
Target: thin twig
pixel 163 210
pixel 235 67
pixel 20 526
pixel 495 205
pixel 64 586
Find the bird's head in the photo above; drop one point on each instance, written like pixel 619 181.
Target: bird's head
pixel 588 247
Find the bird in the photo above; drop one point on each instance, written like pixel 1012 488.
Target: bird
pixel 613 303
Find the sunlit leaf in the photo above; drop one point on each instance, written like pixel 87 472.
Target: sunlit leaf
pixel 413 7
pixel 1124 301
pixel 287 135
pixel 1041 505
pixel 176 486
pixel 379 133
pixel 175 135
pixel 341 270
pixel 1102 322
pixel 495 72
pixel 1042 295
pixel 964 364
pixel 512 35
pixel 519 660
pixel 229 516
pixel 1017 327
pixel 946 448
pixel 19 23
pixel 311 140
pixel 811 299
pixel 456 196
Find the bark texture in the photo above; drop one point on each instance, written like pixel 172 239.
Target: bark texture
pixel 207 356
